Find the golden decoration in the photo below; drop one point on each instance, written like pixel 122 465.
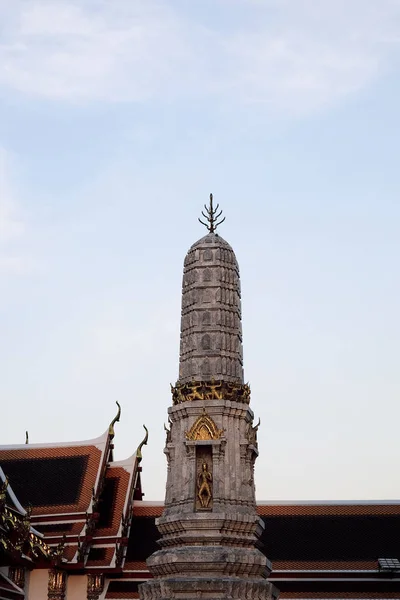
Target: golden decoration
pixel 17 537
pixel 95 585
pixel 17 576
pixel 111 431
pixel 204 428
pixel 204 485
pixel 143 443
pixel 210 390
pixel 57 585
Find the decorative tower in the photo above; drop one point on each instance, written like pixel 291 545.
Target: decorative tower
pixel 210 528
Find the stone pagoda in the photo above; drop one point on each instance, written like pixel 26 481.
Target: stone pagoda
pixel 210 528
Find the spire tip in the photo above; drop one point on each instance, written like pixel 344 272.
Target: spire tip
pixel 211 216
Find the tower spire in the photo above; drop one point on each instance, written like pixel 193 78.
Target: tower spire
pixel 211 216
pixel 210 529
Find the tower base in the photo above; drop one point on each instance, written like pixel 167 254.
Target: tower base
pixel 221 588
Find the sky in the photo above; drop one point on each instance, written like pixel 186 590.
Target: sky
pixel 117 119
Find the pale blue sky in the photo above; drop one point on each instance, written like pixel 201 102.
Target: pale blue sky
pixel 117 120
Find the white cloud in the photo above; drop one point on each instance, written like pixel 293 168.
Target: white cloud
pixel 295 54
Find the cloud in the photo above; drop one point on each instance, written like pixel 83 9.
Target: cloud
pixel 91 50
pixel 296 55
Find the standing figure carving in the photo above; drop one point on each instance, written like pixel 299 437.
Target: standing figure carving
pixel 204 486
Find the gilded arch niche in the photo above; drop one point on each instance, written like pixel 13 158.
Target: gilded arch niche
pixel 204 428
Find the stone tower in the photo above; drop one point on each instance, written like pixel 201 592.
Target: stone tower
pixel 210 528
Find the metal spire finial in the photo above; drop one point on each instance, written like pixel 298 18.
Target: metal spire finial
pixel 211 216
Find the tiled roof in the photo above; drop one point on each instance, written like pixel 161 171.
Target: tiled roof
pixel 331 538
pixel 57 530
pixel 324 565
pixel 70 551
pixel 122 595
pixel 138 565
pixel 143 538
pixel 146 510
pixel 100 557
pixel 316 595
pixel 338 510
pixel 154 509
pixel 112 501
pixel 52 479
pixel 300 537
pixel 122 589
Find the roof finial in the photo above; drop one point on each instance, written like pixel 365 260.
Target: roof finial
pixel 26 437
pixel 143 443
pixel 111 431
pixel 211 216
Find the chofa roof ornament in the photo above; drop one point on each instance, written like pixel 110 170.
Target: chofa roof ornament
pixel 143 443
pixel 211 216
pixel 111 431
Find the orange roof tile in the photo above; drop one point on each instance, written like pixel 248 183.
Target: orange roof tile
pixel 135 565
pixel 89 453
pixel 122 595
pixel 57 530
pixel 120 477
pixel 140 510
pixel 334 595
pixel 70 551
pixel 337 510
pixel 104 561
pixel 278 510
pixel 123 589
pixel 344 565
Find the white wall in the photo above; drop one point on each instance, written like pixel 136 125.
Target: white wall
pixel 36 584
pixel 76 587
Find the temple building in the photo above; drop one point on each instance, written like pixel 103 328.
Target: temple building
pixel 74 525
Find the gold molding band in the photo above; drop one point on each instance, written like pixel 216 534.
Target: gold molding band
pixel 210 390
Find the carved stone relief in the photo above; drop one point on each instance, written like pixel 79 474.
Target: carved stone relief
pixel 207 276
pixel 206 342
pixel 198 323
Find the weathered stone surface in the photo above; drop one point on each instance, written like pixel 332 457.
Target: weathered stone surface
pixel 234 454
pixel 209 543
pixel 221 588
pixel 211 329
pixel 208 561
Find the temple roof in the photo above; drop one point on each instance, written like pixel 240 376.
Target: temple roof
pixel 318 549
pixel 55 478
pixel 80 499
pixel 19 541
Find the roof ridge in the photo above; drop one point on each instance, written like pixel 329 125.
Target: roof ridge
pixel 327 502
pixel 92 442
